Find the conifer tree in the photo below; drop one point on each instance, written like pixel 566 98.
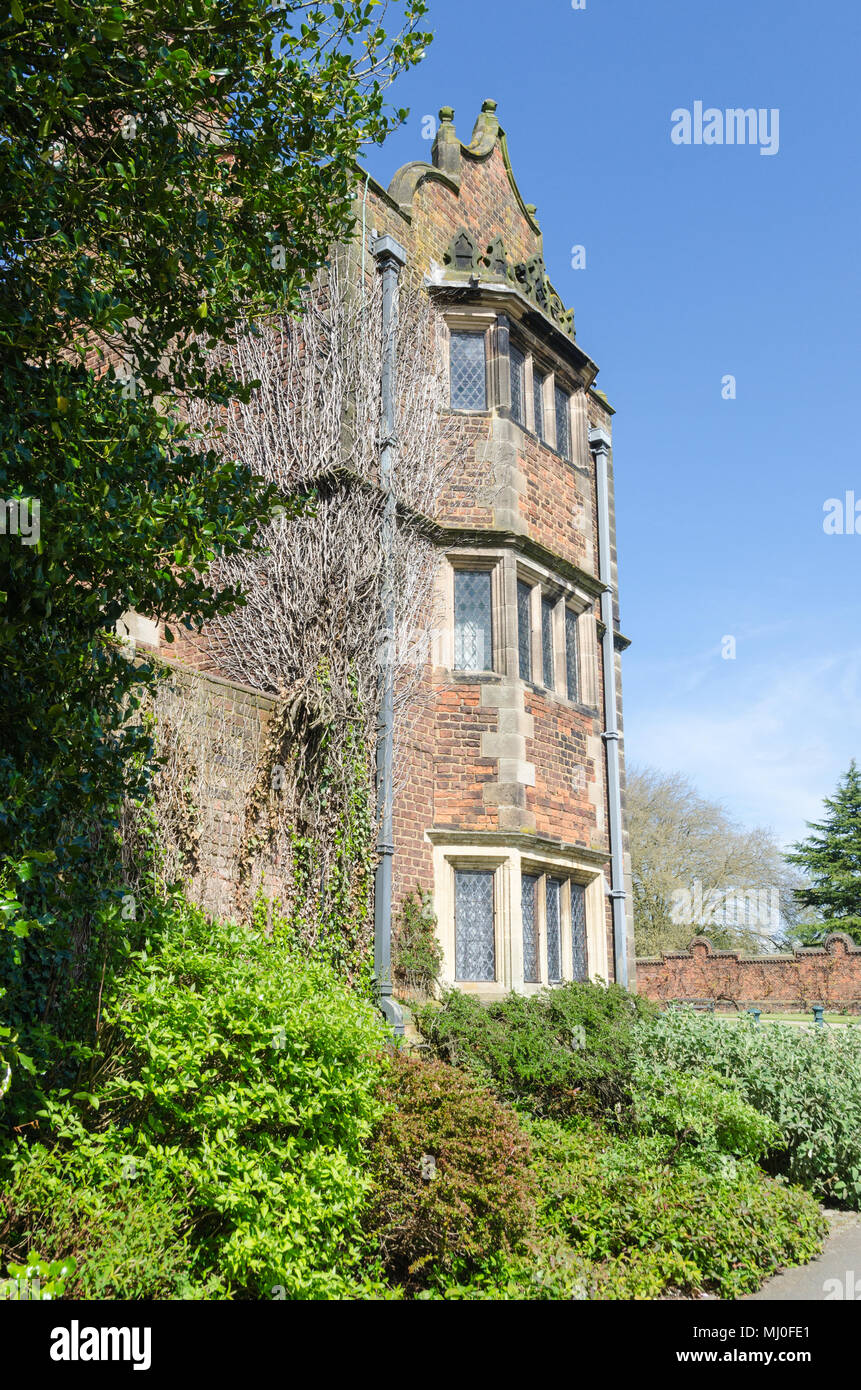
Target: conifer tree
pixel 831 857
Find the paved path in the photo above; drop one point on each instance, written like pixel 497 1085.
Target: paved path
pixel 840 1260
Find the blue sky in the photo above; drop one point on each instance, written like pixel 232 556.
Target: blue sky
pixel 701 261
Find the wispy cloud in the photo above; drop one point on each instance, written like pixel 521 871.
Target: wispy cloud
pixel 770 743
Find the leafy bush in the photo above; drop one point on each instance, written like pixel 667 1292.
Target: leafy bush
pixel 808 1082
pixel 246 1077
pixel 557 1051
pixel 618 1220
pixel 452 1186
pixel 416 951
pixel 123 1230
pixel 705 1114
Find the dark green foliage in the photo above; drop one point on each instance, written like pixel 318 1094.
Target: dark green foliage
pixel 416 951
pixel 170 175
pixel 831 857
pixel 555 1052
pixel 451 1181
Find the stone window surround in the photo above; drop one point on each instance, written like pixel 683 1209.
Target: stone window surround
pixel 507 866
pixel 496 328
pixel 476 321
pixel 546 585
pixel 472 560
pixel 506 567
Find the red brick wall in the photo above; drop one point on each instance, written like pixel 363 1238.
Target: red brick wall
pixel 829 975
pixel 555 503
pixel 560 803
pixel 460 770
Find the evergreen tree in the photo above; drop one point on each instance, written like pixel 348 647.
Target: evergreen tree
pixel 831 857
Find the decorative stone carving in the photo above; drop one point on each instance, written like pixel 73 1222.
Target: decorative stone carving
pixel 496 260
pixel 461 254
pixel 529 276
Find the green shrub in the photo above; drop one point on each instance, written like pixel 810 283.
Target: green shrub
pixel 618 1220
pixel 807 1081
pixel 555 1052
pixel 125 1230
pixel 416 951
pixel 452 1185
pixel 704 1113
pixel 246 1078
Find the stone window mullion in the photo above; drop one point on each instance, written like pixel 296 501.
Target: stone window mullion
pixel 499 366
pixel 550 409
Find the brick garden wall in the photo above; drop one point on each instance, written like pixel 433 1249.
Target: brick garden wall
pixel 828 974
pixel 215 731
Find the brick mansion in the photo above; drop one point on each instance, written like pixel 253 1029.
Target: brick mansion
pixel 511 809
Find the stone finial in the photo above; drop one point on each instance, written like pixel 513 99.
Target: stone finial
pixel 445 153
pixel 486 131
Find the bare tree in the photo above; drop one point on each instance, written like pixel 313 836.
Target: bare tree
pixel 310 631
pixel 696 872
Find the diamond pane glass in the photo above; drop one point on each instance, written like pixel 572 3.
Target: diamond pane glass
pixel 468 382
pixel 547 643
pixel 563 423
pixel 528 887
pixel 578 932
pixel 517 361
pixel 524 629
pixel 538 401
pixel 473 639
pixel 572 671
pixel 554 938
pixel 474 951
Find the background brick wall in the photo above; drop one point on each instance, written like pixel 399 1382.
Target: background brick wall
pixel 829 975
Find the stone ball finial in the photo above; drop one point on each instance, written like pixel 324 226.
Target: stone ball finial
pixel 488 107
pixel 446 114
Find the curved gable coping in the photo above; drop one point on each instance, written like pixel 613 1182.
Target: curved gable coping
pixel 409 177
pixel 487 133
pixel 375 187
pixel 485 136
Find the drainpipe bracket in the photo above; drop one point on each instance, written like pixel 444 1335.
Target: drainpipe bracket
pixel 391 1012
pixel 599 441
pixel 386 249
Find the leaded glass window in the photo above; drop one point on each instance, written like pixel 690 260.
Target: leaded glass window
pixel 475 956
pixel 553 894
pixel 563 423
pixel 468 377
pixel 517 362
pixel 578 932
pixel 538 380
pixel 528 894
pixel 524 629
pixel 547 643
pixel 572 671
pixel 473 632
